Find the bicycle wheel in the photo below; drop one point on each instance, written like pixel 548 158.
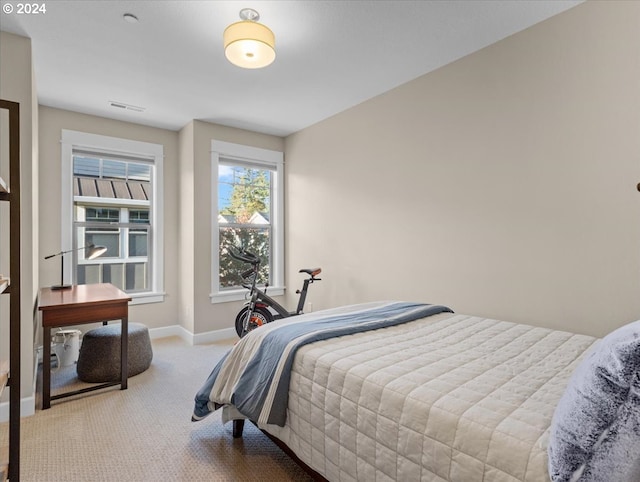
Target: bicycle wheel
pixel 259 317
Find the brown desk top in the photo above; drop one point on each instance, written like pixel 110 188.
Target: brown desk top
pixel 80 294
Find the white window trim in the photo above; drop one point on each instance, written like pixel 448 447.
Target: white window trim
pixel 268 158
pixel 114 145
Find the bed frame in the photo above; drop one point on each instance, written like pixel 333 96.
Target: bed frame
pixel 238 427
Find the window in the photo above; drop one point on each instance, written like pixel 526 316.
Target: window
pixel 247 204
pixel 112 197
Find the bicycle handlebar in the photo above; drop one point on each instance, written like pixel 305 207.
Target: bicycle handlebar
pixel 244 256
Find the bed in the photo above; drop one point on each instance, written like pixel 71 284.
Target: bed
pixel 407 391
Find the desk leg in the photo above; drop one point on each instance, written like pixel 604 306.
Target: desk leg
pixel 124 353
pixel 46 368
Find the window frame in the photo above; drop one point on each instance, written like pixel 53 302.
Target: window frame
pixel 126 149
pixel 273 160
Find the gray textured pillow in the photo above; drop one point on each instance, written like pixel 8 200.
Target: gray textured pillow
pixel 595 431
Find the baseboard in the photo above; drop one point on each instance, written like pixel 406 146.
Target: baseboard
pixel 215 335
pixel 187 336
pixel 27 408
pixel 173 330
pixel 27 404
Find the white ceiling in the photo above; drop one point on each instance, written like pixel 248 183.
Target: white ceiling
pixel 331 55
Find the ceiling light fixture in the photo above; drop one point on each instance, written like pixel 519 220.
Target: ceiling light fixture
pixel 249 44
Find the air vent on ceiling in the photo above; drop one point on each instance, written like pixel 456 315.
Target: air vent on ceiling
pixel 122 105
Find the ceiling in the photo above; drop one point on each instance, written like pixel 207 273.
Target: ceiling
pixel 331 55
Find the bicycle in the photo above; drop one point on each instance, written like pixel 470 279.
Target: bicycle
pixel 256 311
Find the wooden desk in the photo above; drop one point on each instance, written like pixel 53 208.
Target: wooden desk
pixel 78 305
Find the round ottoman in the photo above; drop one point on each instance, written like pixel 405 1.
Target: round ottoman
pixel 99 358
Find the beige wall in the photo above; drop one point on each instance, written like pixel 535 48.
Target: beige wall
pixel 16 84
pixel 52 122
pixel 502 185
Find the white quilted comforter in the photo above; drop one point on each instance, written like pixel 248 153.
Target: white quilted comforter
pixel 446 398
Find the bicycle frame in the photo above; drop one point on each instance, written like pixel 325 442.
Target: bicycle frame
pixel 260 299
pixel 269 302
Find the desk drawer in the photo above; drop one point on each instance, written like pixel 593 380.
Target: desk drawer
pixel 75 315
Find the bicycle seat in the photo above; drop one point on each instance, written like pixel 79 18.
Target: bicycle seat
pixel 311 272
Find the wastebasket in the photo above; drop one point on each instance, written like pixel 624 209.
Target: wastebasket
pixel 65 346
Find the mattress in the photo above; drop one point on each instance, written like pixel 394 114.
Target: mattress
pixel 449 397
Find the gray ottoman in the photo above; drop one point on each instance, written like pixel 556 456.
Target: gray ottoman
pixel 99 358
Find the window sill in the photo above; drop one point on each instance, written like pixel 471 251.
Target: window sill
pixel 144 298
pixel 240 295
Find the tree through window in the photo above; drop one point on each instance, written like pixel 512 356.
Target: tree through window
pixel 244 219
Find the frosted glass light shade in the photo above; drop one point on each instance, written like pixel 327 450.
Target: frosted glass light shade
pixel 249 44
